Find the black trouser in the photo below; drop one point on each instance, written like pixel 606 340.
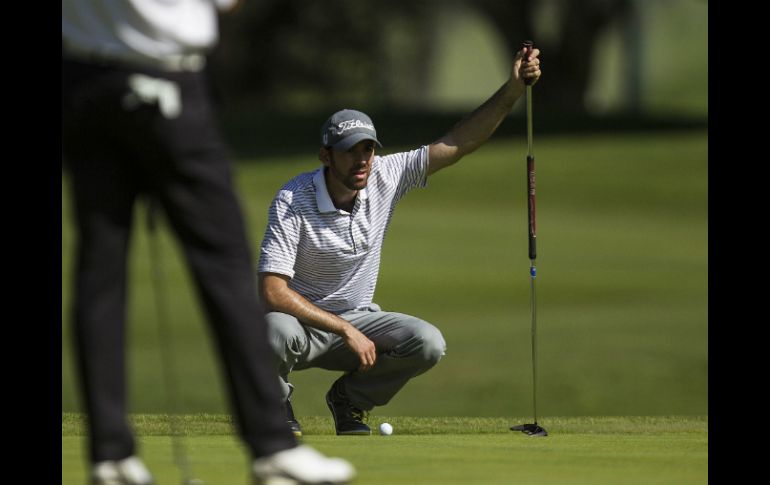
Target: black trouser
pixel 114 153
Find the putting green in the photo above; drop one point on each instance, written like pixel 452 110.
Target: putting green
pixel 452 450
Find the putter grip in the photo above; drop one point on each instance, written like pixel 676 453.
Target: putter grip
pixel 531 207
pixel 527 46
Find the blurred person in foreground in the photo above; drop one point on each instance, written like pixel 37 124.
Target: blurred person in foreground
pixel 137 119
pixel 320 258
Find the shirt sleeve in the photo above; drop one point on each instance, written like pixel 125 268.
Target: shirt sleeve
pixel 408 170
pixel 278 251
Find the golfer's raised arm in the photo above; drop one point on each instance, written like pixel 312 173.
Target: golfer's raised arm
pixel 476 128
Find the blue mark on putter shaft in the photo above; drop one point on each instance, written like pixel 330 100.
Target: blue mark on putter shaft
pixel 533 271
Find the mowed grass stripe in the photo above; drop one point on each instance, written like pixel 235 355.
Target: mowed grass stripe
pixel 221 424
pixel 590 450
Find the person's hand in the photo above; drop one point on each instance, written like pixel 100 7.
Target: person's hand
pixel 361 346
pixel 526 68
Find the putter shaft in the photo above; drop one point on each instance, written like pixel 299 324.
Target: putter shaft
pixel 532 226
pixel 529 121
pixel 531 429
pixel 533 309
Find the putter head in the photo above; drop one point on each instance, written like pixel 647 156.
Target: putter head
pixel 532 429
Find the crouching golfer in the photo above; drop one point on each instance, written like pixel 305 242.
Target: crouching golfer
pixel 320 257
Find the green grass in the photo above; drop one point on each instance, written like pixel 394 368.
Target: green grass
pixel 443 450
pixel 622 284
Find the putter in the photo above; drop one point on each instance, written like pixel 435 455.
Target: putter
pixel 531 429
pixel 167 347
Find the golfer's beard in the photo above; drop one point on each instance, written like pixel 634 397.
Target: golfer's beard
pixel 347 179
pixel 357 185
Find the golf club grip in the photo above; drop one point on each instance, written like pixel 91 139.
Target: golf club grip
pixel 531 207
pixel 527 45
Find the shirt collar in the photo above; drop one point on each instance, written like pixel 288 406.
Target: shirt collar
pixel 322 197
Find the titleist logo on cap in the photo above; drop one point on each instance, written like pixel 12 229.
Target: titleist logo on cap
pixel 350 124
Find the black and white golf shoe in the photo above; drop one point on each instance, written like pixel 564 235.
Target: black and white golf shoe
pixel 348 419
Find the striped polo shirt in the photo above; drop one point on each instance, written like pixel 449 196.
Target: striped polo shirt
pixel 333 256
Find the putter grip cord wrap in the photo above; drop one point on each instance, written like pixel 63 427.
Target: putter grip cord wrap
pixel 531 208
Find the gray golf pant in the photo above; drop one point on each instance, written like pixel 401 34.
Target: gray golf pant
pixel 406 347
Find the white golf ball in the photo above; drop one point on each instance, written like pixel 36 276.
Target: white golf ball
pixel 386 429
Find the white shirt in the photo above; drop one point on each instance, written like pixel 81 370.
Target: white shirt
pixel 169 34
pixel 333 256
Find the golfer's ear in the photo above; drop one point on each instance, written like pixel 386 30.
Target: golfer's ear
pixel 323 155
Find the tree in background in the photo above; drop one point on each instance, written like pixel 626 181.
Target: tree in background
pixel 306 55
pixel 568 37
